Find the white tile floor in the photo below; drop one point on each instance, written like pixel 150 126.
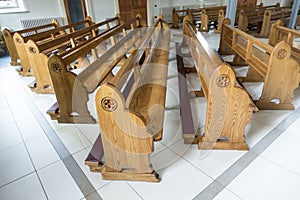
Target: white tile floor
pixel 30 168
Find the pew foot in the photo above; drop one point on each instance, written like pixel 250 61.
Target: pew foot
pixel 15 63
pixel 190 138
pixel 273 106
pixel 34 88
pixel 76 120
pixel 129 176
pixel 222 145
pixel 94 166
pixel 54 114
pixel 21 72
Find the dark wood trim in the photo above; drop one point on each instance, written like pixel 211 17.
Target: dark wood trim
pixel 84 10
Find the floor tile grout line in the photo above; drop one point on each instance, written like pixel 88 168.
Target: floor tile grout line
pixel 63 158
pixel 134 190
pixel 37 114
pixel 265 158
pixel 2 186
pixel 206 191
pixel 27 151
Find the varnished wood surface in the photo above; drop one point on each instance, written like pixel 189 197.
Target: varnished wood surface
pixel 229 107
pixel 38 52
pixel 275 64
pixel 8 38
pixel 20 41
pixel 72 86
pixel 130 125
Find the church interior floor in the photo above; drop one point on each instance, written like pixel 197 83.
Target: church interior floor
pixel 41 159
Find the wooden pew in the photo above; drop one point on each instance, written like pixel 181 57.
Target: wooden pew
pixel 261 20
pixel 270 17
pixel 8 38
pixel 71 106
pixel 229 106
pixel 131 116
pixel 273 65
pixel 38 53
pixel 280 33
pixel 20 40
pixel 178 16
pixel 206 17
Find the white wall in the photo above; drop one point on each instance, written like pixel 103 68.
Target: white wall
pixel 34 9
pixel 102 9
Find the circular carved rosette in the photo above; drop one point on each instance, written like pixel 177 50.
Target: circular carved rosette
pixel 109 104
pixel 281 53
pixel 223 80
pixel 32 50
pixel 55 67
pixel 18 40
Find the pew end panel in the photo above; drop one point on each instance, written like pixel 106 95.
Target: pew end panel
pixel 228 112
pixel 281 80
pixel 62 76
pixel 43 83
pixel 126 141
pixel 22 53
pixel 9 41
pixel 229 106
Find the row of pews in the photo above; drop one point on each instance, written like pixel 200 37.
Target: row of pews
pixel 125 67
pixel 229 105
pixel 258 19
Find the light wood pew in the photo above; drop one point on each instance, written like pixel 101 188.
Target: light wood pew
pixel 131 116
pixel 273 65
pixel 270 17
pixel 212 14
pixel 38 53
pixel 73 86
pixel 280 33
pixel 206 17
pixel 20 40
pixel 9 41
pixel 178 16
pixel 261 20
pixel 229 106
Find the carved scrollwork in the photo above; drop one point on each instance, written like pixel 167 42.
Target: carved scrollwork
pixel 18 40
pixel 32 50
pixel 223 80
pixel 281 53
pixel 55 67
pixel 109 104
